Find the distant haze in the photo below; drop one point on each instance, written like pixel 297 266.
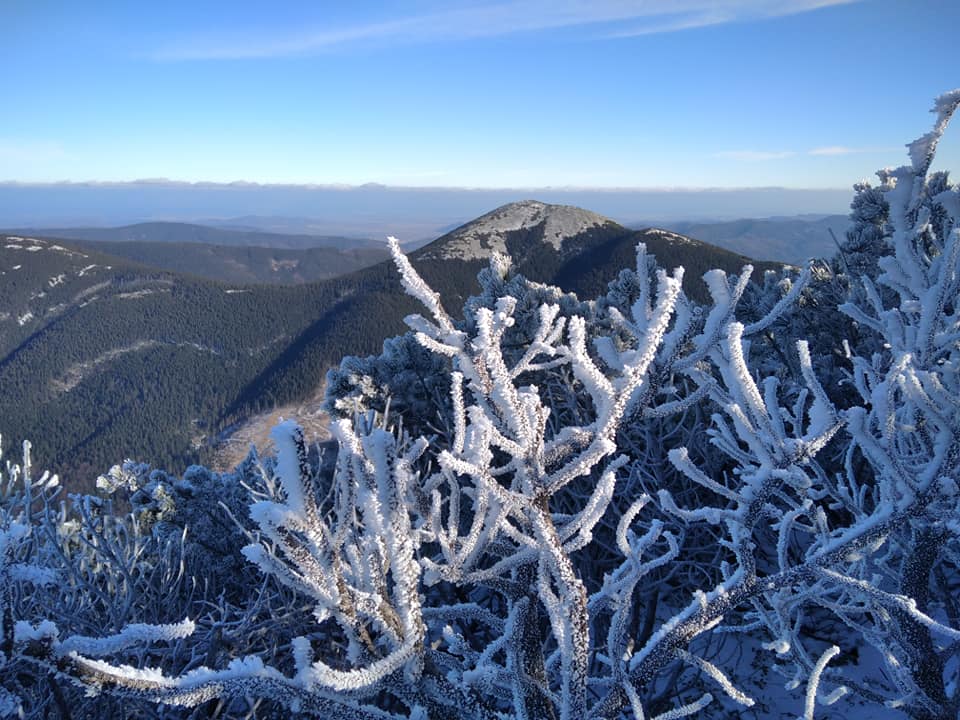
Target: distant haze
pixel 376 210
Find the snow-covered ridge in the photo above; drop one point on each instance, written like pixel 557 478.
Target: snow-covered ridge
pixel 487 234
pixel 16 242
pixel 672 237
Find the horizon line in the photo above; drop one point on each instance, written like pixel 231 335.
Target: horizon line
pixel 347 187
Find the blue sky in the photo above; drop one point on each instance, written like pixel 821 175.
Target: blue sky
pixel 519 93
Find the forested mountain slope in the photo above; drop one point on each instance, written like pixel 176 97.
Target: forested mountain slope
pixel 101 356
pixel 243 263
pixel 586 255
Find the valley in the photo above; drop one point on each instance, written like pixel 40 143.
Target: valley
pixel 227 255
pixel 100 352
pixel 788 239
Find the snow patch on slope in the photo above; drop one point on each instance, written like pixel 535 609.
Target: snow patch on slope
pixel 672 236
pixel 65 251
pixel 276 265
pixel 13 243
pixel 487 234
pixel 140 293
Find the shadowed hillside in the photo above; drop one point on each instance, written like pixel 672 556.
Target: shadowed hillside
pixel 101 353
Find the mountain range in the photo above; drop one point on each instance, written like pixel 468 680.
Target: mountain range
pixel 235 255
pixel 102 355
pixel 178 232
pixel 787 239
pixel 372 210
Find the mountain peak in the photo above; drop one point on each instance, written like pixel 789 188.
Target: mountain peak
pixel 487 234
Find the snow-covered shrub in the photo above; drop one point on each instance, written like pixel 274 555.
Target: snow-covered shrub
pixel 401 566
pixel 90 569
pixel 80 569
pixel 201 512
pixel 870 539
pixel 22 571
pixel 410 381
pixel 618 490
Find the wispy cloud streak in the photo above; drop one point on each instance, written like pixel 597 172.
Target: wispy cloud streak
pixel 827 151
pixel 692 15
pixel 754 155
pixel 606 18
pixel 834 150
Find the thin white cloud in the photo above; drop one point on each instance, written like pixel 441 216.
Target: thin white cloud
pixel 833 150
pixel 693 15
pixel 674 24
pixel 825 151
pixel 754 155
pixel 607 17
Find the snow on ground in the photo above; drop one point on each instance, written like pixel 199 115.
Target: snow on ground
pixel 25 318
pixel 139 293
pixel 672 236
pixel 277 265
pixel 56 280
pixel 60 248
pixel 14 242
pixel 84 271
pixel 91 290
